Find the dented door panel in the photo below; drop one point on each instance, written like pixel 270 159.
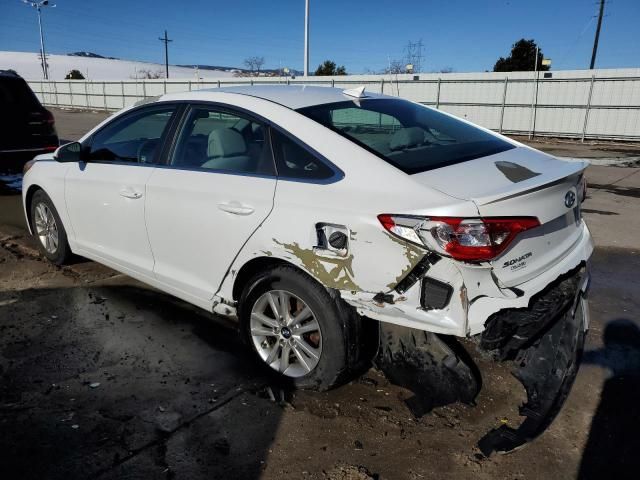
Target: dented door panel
pixel 374 261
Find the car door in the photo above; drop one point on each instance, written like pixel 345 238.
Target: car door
pixel 105 195
pixel 218 188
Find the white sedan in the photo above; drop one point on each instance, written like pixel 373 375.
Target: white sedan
pixel 309 213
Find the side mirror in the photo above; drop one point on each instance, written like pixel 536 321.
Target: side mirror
pixel 71 152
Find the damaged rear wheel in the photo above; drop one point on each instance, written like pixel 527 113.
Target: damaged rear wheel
pixel 300 329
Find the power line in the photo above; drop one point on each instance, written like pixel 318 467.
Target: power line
pixel 595 41
pixel 166 52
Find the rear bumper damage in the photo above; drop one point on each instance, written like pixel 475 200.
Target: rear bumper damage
pixel 475 293
pixel 542 342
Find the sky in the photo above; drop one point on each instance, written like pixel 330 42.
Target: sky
pixel 463 35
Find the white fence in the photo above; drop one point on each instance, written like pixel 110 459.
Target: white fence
pixel 597 104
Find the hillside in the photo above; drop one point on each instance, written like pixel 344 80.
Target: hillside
pixel 27 64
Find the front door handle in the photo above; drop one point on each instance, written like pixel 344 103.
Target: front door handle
pixel 128 193
pixel 236 208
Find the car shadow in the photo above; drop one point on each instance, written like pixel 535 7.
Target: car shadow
pixel 612 449
pixel 116 382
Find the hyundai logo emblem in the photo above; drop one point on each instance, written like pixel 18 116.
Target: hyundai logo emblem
pixel 569 199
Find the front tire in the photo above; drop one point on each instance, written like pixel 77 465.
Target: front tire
pixel 300 330
pixel 48 229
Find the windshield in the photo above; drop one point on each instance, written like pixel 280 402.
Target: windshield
pixel 409 136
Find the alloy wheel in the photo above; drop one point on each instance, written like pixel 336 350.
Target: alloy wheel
pixel 286 333
pixel 46 228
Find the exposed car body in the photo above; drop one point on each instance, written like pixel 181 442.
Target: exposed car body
pixel 408 215
pixel 26 127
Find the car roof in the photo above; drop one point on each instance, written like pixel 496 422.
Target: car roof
pixel 293 96
pixel 9 74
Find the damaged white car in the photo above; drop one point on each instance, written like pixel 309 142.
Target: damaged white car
pixel 340 228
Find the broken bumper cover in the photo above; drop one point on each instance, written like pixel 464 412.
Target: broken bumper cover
pixel 475 295
pixel 544 341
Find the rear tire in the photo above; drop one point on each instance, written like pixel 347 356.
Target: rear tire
pixel 48 229
pixel 331 329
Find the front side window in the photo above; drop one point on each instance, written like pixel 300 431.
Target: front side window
pixel 215 139
pixel 136 137
pixel 409 136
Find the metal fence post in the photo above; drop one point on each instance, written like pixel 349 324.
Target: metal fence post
pixel 144 88
pixel 534 105
pixel 69 84
pixel 189 85
pixel 164 82
pixel 586 113
pixel 104 95
pixel 438 95
pixel 382 85
pixel 122 89
pixel 504 100
pixel 86 93
pixel 55 90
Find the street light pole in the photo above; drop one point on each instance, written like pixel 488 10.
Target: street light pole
pixel 45 69
pixel 38 6
pixel 306 38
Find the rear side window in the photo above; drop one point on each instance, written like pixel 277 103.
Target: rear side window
pixel 221 140
pixel 135 137
pixel 295 161
pixel 15 93
pixel 409 136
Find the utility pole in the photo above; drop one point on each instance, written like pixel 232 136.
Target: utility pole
pixel 595 41
pixel 166 41
pixel 38 6
pixel 306 38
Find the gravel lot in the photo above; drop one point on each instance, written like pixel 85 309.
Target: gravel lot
pixel 103 377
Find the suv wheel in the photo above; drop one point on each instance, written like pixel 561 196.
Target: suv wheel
pixel 297 328
pixel 47 228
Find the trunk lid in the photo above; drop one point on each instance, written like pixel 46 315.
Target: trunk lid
pixel 520 183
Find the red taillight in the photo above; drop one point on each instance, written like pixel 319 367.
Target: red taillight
pixel 469 239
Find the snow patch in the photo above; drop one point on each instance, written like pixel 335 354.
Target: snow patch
pixel 28 66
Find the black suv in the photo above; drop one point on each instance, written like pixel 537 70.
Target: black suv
pixel 26 127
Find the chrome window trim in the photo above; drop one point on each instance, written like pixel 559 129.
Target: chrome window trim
pixel 338 174
pixel 182 115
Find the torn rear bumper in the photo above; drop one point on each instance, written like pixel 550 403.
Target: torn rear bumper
pixel 543 341
pixel 546 345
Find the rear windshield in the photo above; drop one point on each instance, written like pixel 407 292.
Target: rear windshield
pixel 409 136
pixel 15 93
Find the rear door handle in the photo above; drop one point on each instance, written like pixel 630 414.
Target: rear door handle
pixel 129 193
pixel 236 208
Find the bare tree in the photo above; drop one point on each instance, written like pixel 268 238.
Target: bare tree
pixel 395 67
pixel 148 74
pixel 254 64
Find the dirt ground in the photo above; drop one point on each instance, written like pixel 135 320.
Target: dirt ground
pixel 103 377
